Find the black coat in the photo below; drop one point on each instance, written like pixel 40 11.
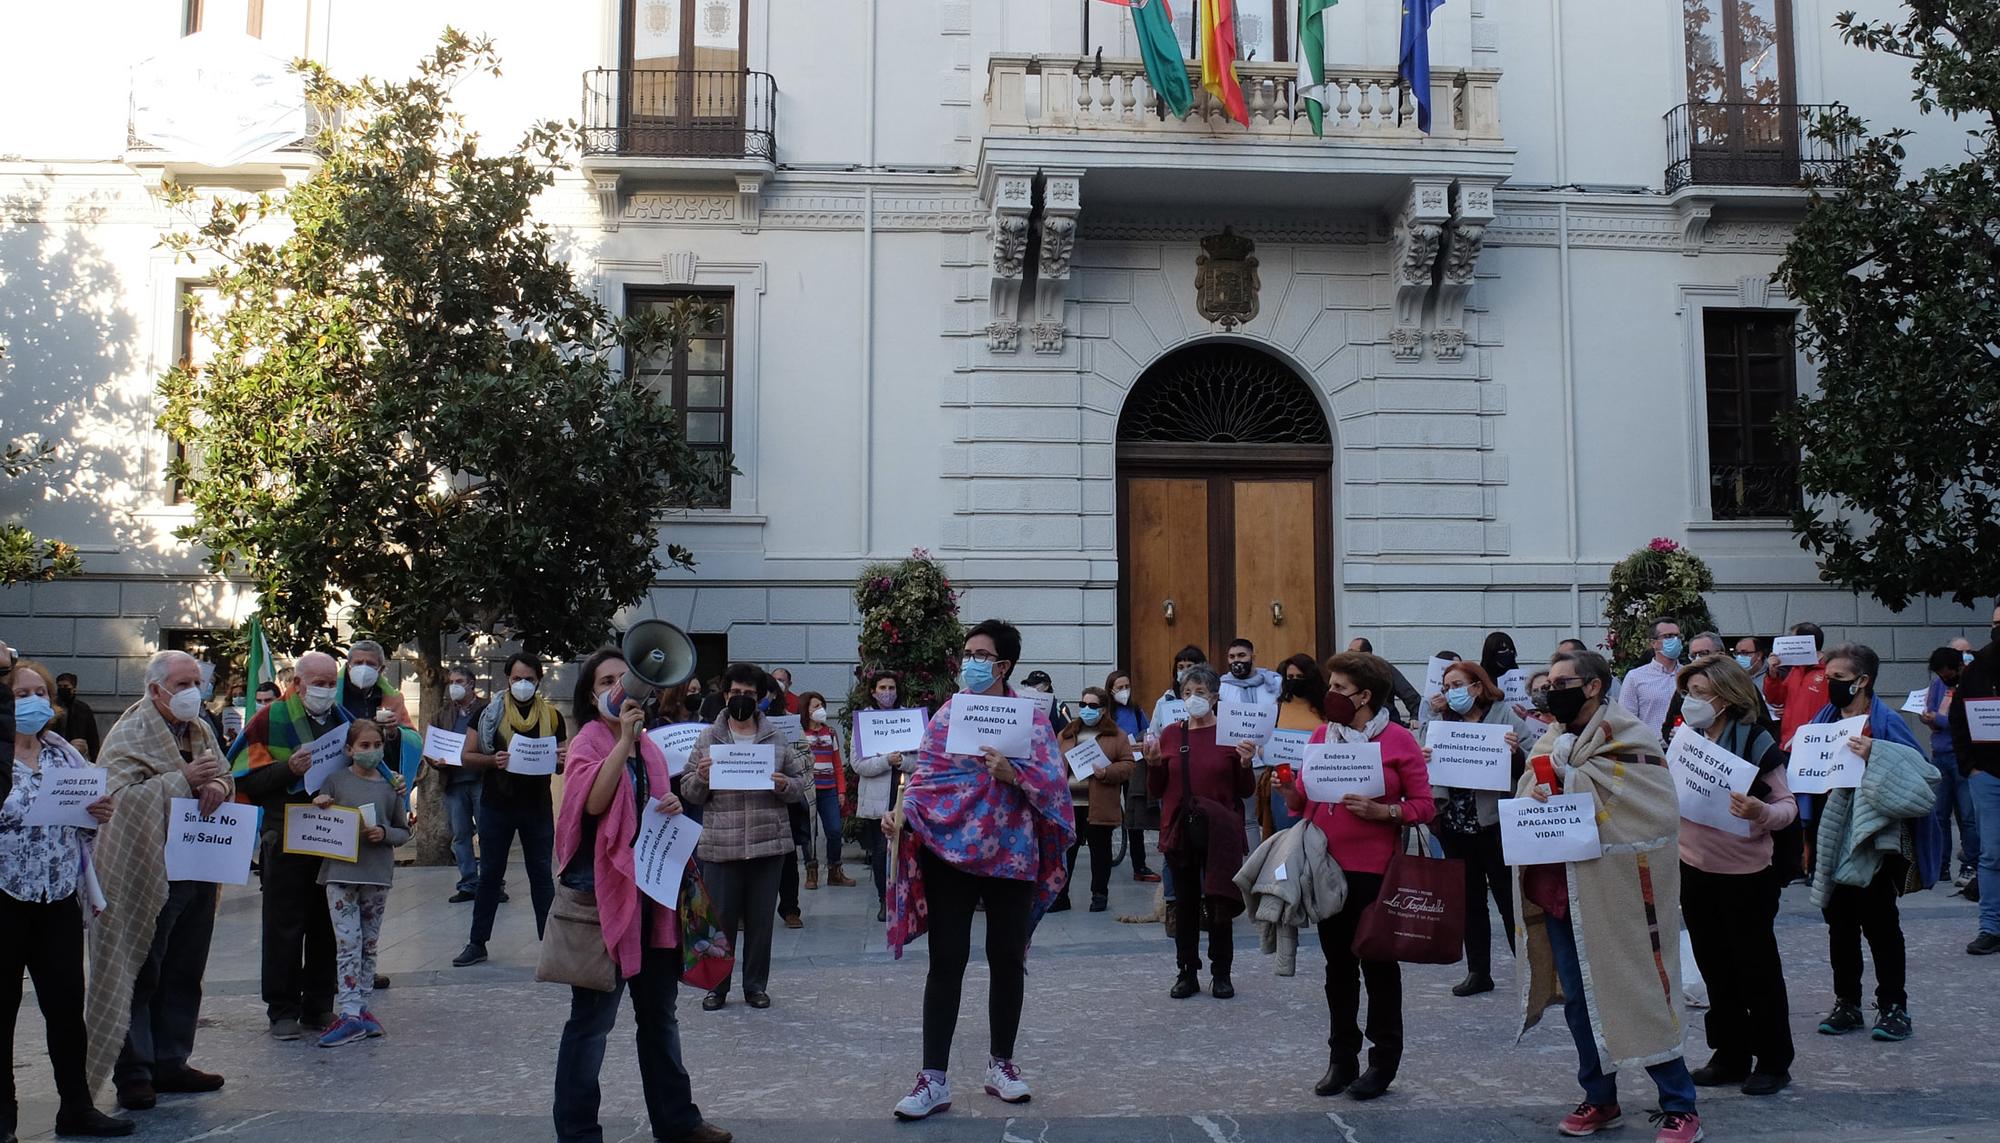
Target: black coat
pixel 1979 680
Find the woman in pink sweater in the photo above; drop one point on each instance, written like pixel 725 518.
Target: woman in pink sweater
pixel 1361 833
pixel 1729 892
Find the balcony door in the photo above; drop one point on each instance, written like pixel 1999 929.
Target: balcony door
pixel 1743 115
pixel 683 77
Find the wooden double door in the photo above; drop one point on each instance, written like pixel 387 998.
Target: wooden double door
pixel 1212 551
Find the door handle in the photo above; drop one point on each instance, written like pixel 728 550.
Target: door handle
pixel 1277 613
pixel 1169 609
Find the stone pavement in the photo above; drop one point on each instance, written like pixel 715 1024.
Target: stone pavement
pixel 470 1051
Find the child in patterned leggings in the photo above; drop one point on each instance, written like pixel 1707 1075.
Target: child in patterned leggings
pixel 357 892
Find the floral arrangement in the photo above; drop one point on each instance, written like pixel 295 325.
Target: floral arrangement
pixel 1661 579
pixel 909 625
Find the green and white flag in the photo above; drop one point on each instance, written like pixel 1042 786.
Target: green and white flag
pixel 1312 61
pixel 257 668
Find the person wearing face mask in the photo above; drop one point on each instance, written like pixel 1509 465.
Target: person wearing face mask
pixel 1468 821
pixel 362 690
pixel 1702 645
pixel 1864 833
pixel 1201 785
pixel 512 805
pixel 460 714
pixel 269 761
pixel 984 829
pixel 1979 762
pixel 782 695
pixel 1138 816
pixel 1954 795
pixel 1798 693
pixel 1750 653
pixel 746 837
pixel 1650 686
pixel 1593 929
pixel 1498 656
pixel 829 773
pixel 1245 681
pixel 75 721
pixel 1304 686
pixel 1538 720
pixel 47 892
pixel 357 892
pixel 1095 800
pixel 1361 833
pixel 1186 659
pixel 1407 705
pixel 234 710
pixel 149 950
pixel 880 781
pixel 1729 887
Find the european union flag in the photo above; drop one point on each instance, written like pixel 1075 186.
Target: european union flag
pixel 1413 62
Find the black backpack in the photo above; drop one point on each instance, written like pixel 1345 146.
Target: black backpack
pixel 1788 845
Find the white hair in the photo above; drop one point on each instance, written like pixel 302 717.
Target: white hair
pixel 162 664
pixel 360 645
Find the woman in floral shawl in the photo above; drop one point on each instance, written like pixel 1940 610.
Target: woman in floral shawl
pixel 978 829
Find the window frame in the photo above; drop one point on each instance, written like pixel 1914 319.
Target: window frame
pixel 1741 320
pixel 1732 65
pixel 677 375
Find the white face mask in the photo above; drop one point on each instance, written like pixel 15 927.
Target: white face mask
pixel 185 703
pixel 1122 695
pixel 319 700
pixel 456 691
pixel 1197 706
pixel 364 676
pixel 522 689
pixel 819 715
pixel 1698 712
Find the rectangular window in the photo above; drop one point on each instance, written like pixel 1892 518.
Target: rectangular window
pixel 195 12
pixel 193 350
pixel 1751 368
pixel 696 376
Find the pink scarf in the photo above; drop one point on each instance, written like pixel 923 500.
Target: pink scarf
pixel 618 896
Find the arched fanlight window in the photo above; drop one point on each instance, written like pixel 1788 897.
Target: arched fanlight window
pixel 1222 393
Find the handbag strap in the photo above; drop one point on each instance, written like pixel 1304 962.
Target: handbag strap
pixel 1187 775
pixel 1422 836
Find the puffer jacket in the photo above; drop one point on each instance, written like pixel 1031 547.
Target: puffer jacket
pixel 742 824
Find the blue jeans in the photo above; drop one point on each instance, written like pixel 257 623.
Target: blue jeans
pixel 498 823
pixel 1986 806
pixel 827 802
pixel 1954 799
pixel 461 806
pixel 1281 818
pixel 1672 1078
pixel 664 1078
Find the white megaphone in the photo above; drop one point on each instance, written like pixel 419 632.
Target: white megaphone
pixel 658 655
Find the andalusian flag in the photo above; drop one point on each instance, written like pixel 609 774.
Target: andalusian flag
pixel 258 667
pixel 1218 58
pixel 1312 61
pixel 1166 71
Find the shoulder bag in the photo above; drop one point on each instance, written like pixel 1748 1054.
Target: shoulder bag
pixel 1420 916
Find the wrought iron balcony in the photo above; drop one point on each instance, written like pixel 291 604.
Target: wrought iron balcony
pixel 1768 490
pixel 1753 145
pixel 680 114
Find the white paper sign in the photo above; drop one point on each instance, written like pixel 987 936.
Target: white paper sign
pixel 1564 828
pixel 1333 770
pixel 65 798
pixel 741 766
pixel 1821 760
pixel 1704 776
pixel 328 753
pixel 1514 684
pixel 1469 755
pixel 1173 710
pixel 1087 759
pixel 332 832
pixel 1795 650
pixel 214 848
pixel 1434 676
pixel 1004 723
pixel 232 722
pixel 675 740
pixel 659 859
pixel 787 726
pixel 531 757
pixel 879 732
pixel 1914 704
pixel 1982 719
pixel 446 746
pixel 1287 748
pixel 1244 722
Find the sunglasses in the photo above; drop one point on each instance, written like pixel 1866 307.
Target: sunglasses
pixel 1091 705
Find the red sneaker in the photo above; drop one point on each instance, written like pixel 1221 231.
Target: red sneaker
pixel 1147 876
pixel 1677 1126
pixel 1589 1119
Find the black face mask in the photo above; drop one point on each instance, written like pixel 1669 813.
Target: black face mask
pixel 1840 692
pixel 1505 660
pixel 1567 705
pixel 742 708
pixel 1241 670
pixel 65 694
pixel 1289 688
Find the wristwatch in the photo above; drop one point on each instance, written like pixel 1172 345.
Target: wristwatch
pixel 1396 813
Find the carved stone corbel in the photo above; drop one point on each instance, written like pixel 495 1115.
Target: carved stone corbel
pixel 1062 199
pixel 608 207
pixel 749 193
pixel 1007 237
pixel 1471 212
pixel 1695 215
pixel 1415 247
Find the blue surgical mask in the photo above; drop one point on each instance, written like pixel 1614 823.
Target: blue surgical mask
pixel 975 675
pixel 1967 656
pixel 1744 661
pixel 1671 646
pixel 1090 714
pixel 1459 699
pixel 32 713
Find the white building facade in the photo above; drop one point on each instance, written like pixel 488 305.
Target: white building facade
pixel 984 299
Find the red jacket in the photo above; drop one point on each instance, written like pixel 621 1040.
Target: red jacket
pixel 1802 692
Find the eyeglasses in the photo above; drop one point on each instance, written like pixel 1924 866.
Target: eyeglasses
pixel 1565 684
pixel 983 656
pixel 1090 705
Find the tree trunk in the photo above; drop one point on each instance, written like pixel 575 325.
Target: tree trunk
pixel 432 837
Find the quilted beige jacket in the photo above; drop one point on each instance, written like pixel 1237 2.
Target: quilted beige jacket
pixel 741 824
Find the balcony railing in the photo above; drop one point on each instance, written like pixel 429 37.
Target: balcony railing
pixel 681 113
pixel 1753 145
pixel 1767 490
pixel 1059 94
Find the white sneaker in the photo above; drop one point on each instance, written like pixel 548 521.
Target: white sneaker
pixel 925 1099
pixel 1003 1081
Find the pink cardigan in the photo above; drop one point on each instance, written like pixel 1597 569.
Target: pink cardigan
pixel 618 903
pixel 1363 846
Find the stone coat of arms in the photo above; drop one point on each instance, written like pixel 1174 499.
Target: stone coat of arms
pixel 1225 279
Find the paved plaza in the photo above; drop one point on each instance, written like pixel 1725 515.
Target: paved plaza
pixel 470 1050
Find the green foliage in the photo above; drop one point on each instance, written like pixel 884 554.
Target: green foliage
pixel 411 414
pixel 1660 580
pixel 909 625
pixel 1899 277
pixel 24 558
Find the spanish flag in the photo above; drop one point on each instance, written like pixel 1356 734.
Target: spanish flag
pixel 1218 57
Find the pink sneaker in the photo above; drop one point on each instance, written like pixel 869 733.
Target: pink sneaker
pixel 1589 1119
pixel 1677 1126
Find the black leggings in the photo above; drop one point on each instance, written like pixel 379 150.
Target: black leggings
pixel 1187 864
pixel 1098 837
pixel 46 940
pixel 952 894
pixel 1485 873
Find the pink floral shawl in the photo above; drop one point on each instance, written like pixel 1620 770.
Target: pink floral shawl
pixel 618 904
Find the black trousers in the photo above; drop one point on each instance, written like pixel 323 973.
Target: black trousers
pixel 746 894
pixel 1729 921
pixel 1187 863
pixel 1345 976
pixel 1485 875
pixel 500 821
pixel 166 996
pixel 44 939
pixel 1135 846
pixel 1098 838
pixel 1853 912
pixel 298 936
pixel 952 894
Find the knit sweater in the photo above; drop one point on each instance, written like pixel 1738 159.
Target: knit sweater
pixel 376 864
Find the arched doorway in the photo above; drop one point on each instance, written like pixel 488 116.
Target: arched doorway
pixel 1224 511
